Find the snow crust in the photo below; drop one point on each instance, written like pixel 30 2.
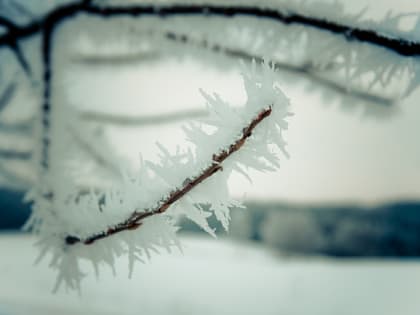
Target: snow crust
pixel 214 277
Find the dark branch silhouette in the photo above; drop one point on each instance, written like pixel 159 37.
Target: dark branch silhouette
pixel 7 95
pixel 399 45
pixel 15 154
pixel 13 44
pixel 304 69
pixel 145 120
pixel 21 127
pixel 48 24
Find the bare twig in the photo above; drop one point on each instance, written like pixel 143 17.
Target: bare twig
pixel 21 127
pixel 6 23
pixel 7 95
pixel 145 120
pixel 116 59
pixel 135 220
pixel 304 69
pixel 54 17
pixel 15 154
pixel 13 44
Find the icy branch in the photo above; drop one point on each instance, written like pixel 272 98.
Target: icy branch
pixel 137 213
pixel 134 221
pixel 401 46
pixel 308 69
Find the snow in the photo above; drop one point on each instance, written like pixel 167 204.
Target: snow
pixel 214 277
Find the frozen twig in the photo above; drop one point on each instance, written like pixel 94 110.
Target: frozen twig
pixel 134 221
pixel 186 182
pixel 7 95
pixel 303 69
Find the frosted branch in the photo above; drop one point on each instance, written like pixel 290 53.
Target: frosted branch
pixel 135 220
pixel 400 46
pixel 375 34
pixel 139 210
pixel 306 69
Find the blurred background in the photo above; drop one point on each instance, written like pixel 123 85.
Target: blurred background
pixel 335 231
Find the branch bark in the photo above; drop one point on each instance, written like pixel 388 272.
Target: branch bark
pixel 51 19
pixel 136 218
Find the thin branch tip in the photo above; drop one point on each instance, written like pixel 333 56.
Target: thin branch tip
pixel 136 218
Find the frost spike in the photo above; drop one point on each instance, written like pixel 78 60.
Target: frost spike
pixel 134 221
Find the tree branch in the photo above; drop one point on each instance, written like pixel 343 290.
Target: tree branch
pixel 15 154
pixel 7 95
pixel 303 69
pixel 125 120
pixel 135 220
pixel 48 24
pixel 14 44
pixel 398 45
pixel 22 127
pixel 7 23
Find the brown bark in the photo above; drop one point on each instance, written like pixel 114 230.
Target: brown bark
pixel 135 220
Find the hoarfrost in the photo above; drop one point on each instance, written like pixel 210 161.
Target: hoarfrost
pixel 67 219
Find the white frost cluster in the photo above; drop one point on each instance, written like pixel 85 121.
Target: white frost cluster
pixel 351 63
pixel 68 212
pixel 60 209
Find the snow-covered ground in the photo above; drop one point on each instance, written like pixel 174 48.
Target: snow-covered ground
pixel 214 277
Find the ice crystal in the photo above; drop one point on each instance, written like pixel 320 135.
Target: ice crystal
pixel 67 217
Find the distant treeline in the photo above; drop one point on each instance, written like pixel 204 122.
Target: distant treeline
pixel 13 211
pixel 390 230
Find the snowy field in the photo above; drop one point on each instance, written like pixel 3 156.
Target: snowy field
pixel 215 277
